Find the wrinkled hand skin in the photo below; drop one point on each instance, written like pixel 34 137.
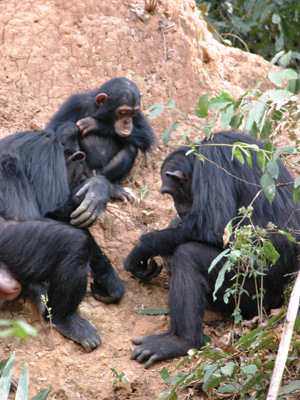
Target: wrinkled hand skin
pixel 96 192
pixel 158 348
pixel 140 268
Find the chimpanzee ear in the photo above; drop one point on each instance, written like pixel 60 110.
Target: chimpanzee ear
pixel 101 99
pixel 76 157
pixel 177 175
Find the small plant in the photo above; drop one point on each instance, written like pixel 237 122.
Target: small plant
pixel 21 329
pixel 122 378
pixel 249 254
pixel 241 371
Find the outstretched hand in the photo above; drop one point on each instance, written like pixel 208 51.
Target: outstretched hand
pixel 96 192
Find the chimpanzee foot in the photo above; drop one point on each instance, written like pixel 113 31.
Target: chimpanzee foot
pixel 80 331
pixel 159 347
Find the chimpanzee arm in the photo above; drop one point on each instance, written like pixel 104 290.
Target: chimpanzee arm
pixel 150 245
pixel 120 165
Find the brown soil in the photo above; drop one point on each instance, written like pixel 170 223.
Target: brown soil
pixel 51 49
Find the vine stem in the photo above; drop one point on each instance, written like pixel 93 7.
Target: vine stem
pixel 285 341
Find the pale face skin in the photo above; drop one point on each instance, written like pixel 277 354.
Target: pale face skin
pixel 123 124
pixel 10 288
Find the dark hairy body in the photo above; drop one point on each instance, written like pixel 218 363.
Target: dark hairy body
pixel 112 129
pixel 38 191
pixel 206 199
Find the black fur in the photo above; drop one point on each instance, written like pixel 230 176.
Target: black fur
pixel 206 199
pixel 35 249
pixel 107 152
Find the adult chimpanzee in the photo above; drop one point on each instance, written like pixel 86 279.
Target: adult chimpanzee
pixel 112 128
pixel 207 195
pixel 35 249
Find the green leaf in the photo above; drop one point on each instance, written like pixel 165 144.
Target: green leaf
pixel 164 374
pixel 288 235
pixel 213 383
pixel 219 102
pixel 42 395
pixel 237 153
pixel 220 279
pixel 277 76
pixel 156 110
pixel 268 185
pixel 226 116
pixel 154 311
pixel 171 103
pixel 289 150
pixel 18 328
pixel 227 389
pixel 167 133
pixel 228 368
pixel 277 153
pixel 202 111
pixel 266 129
pixel 6 377
pixel 255 115
pixel 217 259
pixel 293 85
pixel 22 391
pixel 277 94
pixel 296 195
pixel 297 182
pixel 249 369
pixel 236 120
pixel 273 169
pixel 262 160
pixel 270 251
pixel 290 388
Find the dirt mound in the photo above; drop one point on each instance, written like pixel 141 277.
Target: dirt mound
pixel 51 49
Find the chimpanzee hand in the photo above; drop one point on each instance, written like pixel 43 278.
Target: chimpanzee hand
pixel 97 193
pixel 139 266
pixel 118 192
pixel 159 347
pixel 87 125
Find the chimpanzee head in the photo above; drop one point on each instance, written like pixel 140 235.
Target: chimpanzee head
pixel 117 102
pixel 77 169
pixel 176 176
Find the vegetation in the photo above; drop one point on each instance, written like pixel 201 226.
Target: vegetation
pixel 263 27
pixel 21 329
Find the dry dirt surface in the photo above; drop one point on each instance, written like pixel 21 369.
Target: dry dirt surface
pixel 52 48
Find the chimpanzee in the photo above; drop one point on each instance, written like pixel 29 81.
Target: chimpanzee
pixel 112 128
pixel 207 195
pixel 35 249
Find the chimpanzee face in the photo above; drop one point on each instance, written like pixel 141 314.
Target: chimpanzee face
pixel 123 124
pixel 178 185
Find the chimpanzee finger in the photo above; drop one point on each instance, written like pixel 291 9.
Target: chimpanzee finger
pixel 86 125
pixel 139 340
pixel 151 361
pixel 152 271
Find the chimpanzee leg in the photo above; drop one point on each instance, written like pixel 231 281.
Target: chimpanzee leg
pixel 39 251
pixel 107 285
pixel 187 302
